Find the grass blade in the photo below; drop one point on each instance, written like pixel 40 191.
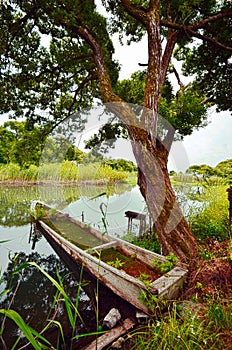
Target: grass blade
pixel 27 331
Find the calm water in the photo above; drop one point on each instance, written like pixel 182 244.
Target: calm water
pixel 35 292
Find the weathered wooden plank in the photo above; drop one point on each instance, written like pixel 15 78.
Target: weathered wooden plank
pixel 108 338
pixel 103 247
pixel 168 285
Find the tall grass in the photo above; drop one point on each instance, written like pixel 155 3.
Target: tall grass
pixel 210 220
pixel 177 331
pixel 9 172
pixel 65 171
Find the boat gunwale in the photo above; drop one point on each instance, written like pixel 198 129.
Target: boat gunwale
pixel 91 257
pixel 164 286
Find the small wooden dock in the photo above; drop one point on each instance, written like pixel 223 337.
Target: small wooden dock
pixel 132 215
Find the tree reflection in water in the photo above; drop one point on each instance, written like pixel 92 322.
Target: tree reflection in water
pixel 35 296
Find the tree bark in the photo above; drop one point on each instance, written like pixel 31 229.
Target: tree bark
pixel 169 223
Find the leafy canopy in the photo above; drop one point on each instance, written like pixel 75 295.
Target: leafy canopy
pixel 46 83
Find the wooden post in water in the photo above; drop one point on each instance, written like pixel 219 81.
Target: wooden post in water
pixel 137 216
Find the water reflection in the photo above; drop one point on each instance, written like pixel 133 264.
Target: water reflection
pixel 31 294
pixel 15 201
pixel 35 293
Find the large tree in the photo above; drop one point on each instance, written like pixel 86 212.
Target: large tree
pixel 78 67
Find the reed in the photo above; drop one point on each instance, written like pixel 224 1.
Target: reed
pixel 37 338
pixel 66 171
pixel 210 219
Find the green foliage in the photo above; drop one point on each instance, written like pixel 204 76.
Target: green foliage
pixel 202 169
pixel 176 333
pixel 224 169
pixel 38 212
pixel 221 316
pixel 117 263
pixel 9 171
pixel 51 73
pixel 65 171
pixel 29 333
pixel 149 299
pixel 59 79
pixel 212 176
pixel 121 164
pixel 167 265
pixel 74 154
pixel 68 171
pixel 211 219
pixel 132 89
pixel 20 144
pixel 185 112
pixel 37 339
pixel 106 172
pixel 146 279
pixel 149 242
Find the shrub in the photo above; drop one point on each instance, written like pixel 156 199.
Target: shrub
pixel 106 172
pixel 211 220
pixel 9 172
pixel 68 171
pixel 30 174
pixel 121 164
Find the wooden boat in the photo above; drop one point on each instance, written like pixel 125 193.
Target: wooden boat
pixel 111 260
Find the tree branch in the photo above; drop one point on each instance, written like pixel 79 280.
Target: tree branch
pixel 208 39
pixel 166 59
pixel 201 24
pixel 138 13
pixel 168 10
pixel 177 77
pixel 191 29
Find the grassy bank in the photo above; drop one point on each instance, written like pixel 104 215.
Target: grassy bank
pixel 65 172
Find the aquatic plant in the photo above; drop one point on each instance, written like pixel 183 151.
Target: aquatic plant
pixel 165 266
pixel 117 263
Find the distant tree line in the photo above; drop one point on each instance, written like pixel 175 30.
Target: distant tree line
pixel 25 146
pixel 222 169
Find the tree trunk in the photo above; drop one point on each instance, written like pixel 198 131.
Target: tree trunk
pixel 173 232
pixel 151 154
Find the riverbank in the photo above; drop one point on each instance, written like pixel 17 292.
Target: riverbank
pixel 22 183
pixel 65 172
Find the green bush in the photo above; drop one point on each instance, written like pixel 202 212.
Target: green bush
pixel 121 164
pixel 211 220
pixel 9 172
pixel 106 172
pixel 30 174
pixel 68 171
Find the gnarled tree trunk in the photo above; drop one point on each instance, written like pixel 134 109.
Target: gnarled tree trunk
pixel 173 232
